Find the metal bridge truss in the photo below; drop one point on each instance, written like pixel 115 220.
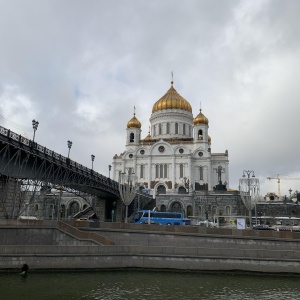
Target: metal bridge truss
pixel 25 166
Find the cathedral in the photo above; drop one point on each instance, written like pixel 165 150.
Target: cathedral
pixel 174 163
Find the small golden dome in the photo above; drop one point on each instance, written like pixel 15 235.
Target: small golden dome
pixel 134 123
pixel 209 139
pixel 171 100
pixel 148 137
pixel 200 119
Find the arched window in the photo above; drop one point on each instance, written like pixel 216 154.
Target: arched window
pixel 163 208
pixel 176 128
pixel 201 173
pixel 189 210
pixel 142 171
pixel 200 134
pixel 131 138
pixel 161 171
pixel 228 210
pixel 183 129
pixel 159 128
pixel 74 208
pixel 168 128
pixel 181 171
pixel 181 190
pixel 214 210
pixel 161 189
pixel 190 130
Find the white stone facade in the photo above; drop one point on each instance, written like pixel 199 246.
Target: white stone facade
pixel 176 156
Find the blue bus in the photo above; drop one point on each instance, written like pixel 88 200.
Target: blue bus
pixel 162 218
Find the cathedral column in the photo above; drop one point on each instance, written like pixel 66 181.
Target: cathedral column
pixel 190 170
pixel 134 166
pixel 123 167
pixel 209 177
pixel 149 171
pixel 173 172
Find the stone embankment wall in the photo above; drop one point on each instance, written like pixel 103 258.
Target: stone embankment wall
pixel 149 246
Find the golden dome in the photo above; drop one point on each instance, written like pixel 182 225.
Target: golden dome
pixel 148 137
pixel 209 139
pixel 171 100
pixel 134 123
pixel 200 119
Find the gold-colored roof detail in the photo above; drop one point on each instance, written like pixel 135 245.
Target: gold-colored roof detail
pixel 148 137
pixel 171 100
pixel 134 123
pixel 200 119
pixel 209 139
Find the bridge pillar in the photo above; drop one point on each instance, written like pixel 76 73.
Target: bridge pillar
pixel 109 210
pixel 100 209
pixel 10 198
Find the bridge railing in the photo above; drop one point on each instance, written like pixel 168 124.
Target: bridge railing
pixel 8 136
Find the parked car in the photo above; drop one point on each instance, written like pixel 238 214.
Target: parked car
pixel 263 227
pixel 207 223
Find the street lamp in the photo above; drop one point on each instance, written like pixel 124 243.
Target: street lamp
pixel 127 189
pixel 69 146
pixel 249 190
pixel 186 184
pixel 35 125
pixel 290 191
pixel 93 158
pixel 109 169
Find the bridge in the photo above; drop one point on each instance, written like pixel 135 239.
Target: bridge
pixel 26 163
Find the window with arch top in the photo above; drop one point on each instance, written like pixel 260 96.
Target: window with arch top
pixel 131 137
pixel 181 171
pixel 200 134
pixel 176 128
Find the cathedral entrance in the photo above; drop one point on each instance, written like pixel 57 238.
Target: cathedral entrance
pixel 176 207
pixel 182 190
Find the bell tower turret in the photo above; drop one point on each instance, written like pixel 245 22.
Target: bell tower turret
pixel 133 131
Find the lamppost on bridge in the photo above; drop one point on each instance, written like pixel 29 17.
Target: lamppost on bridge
pixel 69 146
pixel 109 169
pixel 35 125
pixel 93 158
pixel 249 190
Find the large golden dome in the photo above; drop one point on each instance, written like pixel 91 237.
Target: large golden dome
pixel 134 123
pixel 200 119
pixel 171 100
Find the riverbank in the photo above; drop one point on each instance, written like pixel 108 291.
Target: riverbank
pixel 82 245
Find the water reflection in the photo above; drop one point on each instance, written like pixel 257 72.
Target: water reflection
pixel 147 285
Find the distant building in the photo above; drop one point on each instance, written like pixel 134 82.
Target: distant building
pixel 53 205
pixel 271 197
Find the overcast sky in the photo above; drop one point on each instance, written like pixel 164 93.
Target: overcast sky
pixel 79 67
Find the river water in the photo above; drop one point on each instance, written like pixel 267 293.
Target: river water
pixel 142 285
